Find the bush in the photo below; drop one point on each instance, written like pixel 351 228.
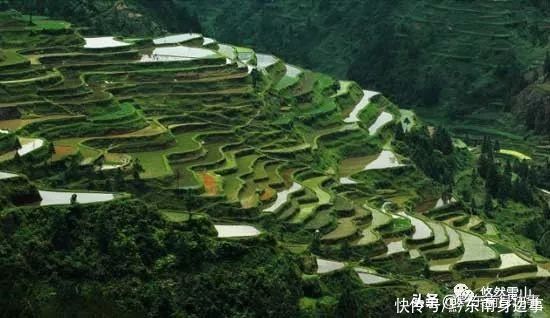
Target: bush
pixel 125 256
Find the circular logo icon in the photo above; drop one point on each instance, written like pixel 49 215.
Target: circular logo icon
pixel 463 293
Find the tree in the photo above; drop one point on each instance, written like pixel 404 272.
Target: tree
pixel 488 204
pixel 17 144
pixel 137 168
pixel 492 179
pixel 521 191
pixel 546 66
pixel 431 90
pixel 73 199
pixel 349 305
pixel 543 244
pixel 546 211
pixel 398 132
pixel 315 246
pixel 473 205
pixel 30 7
pixel 345 249
pixel 496 146
pixel 119 179
pixel 486 145
pixel 442 141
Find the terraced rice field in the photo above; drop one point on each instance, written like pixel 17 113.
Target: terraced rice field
pixel 382 120
pixel 347 180
pixel 408 119
pixel 386 159
pixel 177 53
pixel 290 78
pixel 60 198
pixel 326 266
pixel 228 231
pixel 440 235
pixel 103 42
pixel 370 278
pixel 233 182
pixel 395 246
pixel 282 197
pixel 28 145
pixel 353 117
pixel 177 38
pixel 265 60
pixel 323 197
pixel 510 260
pixel 475 249
pixel 421 230
pixel 217 129
pixel 370 234
pixel 7 175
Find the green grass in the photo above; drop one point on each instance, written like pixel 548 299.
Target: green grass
pixel 49 24
pixel 125 110
pixel 155 163
pixel 232 183
pixel 11 58
pixel 186 169
pixel 322 219
pixel 346 229
pixel 369 114
pixel 176 216
pixel 514 153
pixel 397 225
pixel 285 82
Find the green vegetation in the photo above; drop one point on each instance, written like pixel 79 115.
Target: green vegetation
pixel 468 55
pixel 514 153
pixel 130 251
pixel 173 144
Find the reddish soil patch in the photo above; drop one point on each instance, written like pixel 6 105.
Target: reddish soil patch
pixel 353 165
pixel 210 184
pixel 267 194
pixel 425 206
pixel 286 174
pixel 63 151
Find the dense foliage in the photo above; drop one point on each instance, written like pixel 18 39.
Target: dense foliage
pixel 504 180
pixel 125 259
pixel 18 190
pixel 110 16
pixel 434 155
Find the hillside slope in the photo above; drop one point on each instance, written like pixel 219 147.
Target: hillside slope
pixel 462 56
pixel 271 190
pixel 137 17
pixel 465 55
